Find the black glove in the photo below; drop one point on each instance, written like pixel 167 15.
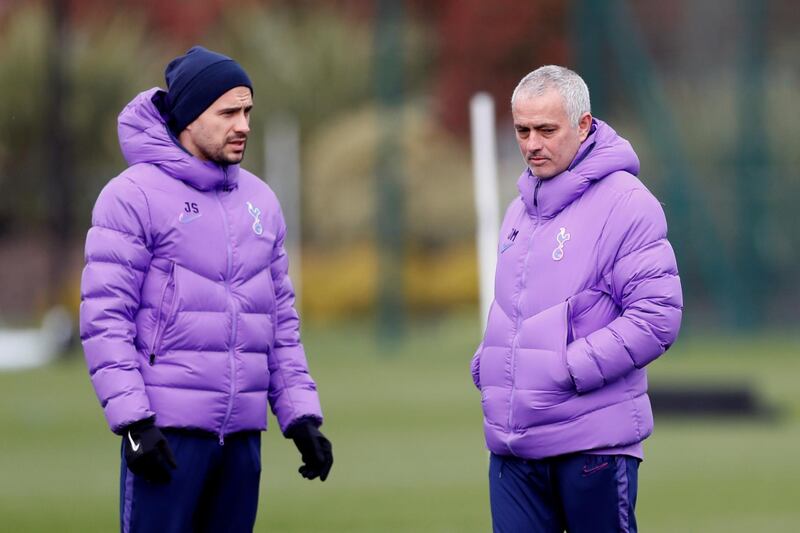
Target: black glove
pixel 147 452
pixel 314 448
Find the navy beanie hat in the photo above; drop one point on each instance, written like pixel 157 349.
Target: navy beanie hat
pixel 195 80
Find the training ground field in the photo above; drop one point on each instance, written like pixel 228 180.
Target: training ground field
pixel 409 456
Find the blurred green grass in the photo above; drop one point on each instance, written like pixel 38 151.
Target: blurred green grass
pixel 405 422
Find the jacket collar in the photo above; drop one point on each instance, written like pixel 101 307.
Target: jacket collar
pixel 602 153
pixel 145 138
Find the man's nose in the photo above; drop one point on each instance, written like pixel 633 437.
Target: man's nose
pixel 533 143
pixel 242 124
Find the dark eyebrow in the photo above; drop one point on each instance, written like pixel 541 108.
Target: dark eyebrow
pixel 236 108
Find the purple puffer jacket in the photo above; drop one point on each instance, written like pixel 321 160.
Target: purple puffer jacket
pixel 586 294
pixel 187 311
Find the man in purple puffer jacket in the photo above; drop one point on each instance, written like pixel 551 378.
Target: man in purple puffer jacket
pixel 587 294
pixel 187 312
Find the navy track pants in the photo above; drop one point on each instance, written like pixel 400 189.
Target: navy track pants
pixel 577 493
pixel 214 488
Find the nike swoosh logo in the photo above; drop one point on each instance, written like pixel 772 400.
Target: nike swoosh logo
pixel 590 471
pixel 135 446
pixel 185 218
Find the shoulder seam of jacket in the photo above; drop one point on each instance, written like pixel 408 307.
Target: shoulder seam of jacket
pixel 118 230
pixel 638 248
pixel 665 302
pixel 118 263
pixel 621 196
pixel 147 205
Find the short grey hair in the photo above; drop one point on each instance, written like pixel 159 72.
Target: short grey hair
pixel 569 85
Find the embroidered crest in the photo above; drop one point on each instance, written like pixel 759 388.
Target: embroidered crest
pixel 561 237
pixel 258 229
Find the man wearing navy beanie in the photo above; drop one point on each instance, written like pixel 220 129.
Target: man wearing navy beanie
pixel 187 310
pixel 196 80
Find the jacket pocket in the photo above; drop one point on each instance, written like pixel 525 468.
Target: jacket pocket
pixel 165 312
pixel 541 354
pixel 590 310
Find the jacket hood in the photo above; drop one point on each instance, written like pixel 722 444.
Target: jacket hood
pixel 602 153
pixel 145 138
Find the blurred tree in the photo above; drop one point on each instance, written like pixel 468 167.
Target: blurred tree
pixel 315 60
pixel 22 125
pixel 104 66
pixel 313 64
pixel 178 23
pixel 59 167
pixel 58 142
pixel 490 46
pixel 340 161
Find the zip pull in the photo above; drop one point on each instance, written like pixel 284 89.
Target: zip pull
pixel 152 359
pixel 226 187
pixel 536 193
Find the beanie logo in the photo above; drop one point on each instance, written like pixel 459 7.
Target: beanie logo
pixel 562 237
pixel 258 229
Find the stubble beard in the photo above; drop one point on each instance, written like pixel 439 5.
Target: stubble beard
pixel 217 155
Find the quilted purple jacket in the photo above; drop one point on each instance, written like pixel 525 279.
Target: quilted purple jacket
pixel 187 311
pixel 587 294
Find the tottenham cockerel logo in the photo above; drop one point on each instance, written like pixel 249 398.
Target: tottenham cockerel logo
pixel 258 229
pixel 562 237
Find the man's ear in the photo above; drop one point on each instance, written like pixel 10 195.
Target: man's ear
pixel 584 125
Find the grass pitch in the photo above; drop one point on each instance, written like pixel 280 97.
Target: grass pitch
pixel 405 423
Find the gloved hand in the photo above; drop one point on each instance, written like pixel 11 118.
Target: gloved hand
pixel 147 452
pixel 315 449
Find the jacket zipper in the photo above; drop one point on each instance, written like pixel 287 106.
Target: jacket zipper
pixel 161 325
pixel 234 314
pixel 536 195
pixel 518 318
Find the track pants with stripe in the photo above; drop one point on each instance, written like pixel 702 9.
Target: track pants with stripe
pixel 214 487
pixel 578 493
